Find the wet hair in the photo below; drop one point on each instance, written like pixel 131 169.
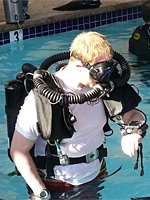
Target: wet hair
pixel 145 8
pixel 90 45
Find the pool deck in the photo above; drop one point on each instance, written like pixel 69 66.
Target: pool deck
pixel 41 12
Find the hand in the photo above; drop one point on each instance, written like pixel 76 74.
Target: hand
pixel 130 143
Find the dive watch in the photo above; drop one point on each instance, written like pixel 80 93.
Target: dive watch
pixel 45 194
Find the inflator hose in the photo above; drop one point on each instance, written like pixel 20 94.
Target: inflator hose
pixel 117 81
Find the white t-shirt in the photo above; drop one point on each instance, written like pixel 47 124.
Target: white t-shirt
pixel 89 135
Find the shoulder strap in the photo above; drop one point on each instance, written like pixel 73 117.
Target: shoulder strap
pixel 44 115
pixel 53 120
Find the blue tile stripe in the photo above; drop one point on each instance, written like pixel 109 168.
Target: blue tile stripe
pixel 82 23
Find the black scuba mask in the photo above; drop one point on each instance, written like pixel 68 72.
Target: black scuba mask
pixel 100 71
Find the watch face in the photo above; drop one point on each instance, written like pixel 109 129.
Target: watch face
pixel 44 194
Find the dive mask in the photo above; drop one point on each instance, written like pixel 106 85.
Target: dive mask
pixel 100 71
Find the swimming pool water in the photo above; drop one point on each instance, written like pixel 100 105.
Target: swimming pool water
pixel 126 183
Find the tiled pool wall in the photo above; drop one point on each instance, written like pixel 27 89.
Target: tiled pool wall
pixel 82 23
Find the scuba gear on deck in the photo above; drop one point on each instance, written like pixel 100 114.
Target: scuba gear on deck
pixel 79 4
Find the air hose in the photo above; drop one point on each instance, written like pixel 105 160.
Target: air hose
pixel 53 59
pixel 55 97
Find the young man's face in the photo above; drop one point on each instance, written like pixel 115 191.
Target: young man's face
pixel 86 79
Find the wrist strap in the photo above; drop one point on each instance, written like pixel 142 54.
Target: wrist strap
pixel 138 127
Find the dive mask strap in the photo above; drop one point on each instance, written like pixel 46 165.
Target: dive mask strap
pixel 87 65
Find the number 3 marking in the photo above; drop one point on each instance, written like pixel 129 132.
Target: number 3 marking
pixel 17 35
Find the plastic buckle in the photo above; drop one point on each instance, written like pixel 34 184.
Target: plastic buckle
pixel 92 156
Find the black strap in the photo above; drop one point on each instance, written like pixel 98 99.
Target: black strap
pixel 49 162
pixel 139 153
pixel 102 154
pixel 40 161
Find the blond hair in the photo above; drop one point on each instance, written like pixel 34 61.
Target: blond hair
pixel 90 45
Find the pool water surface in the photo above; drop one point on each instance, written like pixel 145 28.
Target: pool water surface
pixel 124 184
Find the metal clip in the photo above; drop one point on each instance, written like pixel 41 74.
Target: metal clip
pixel 92 156
pixel 63 158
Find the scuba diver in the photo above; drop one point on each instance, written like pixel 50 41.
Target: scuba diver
pixel 139 43
pixel 58 142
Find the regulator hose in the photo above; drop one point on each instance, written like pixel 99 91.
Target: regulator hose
pixel 117 81
pixel 53 59
pixel 123 79
pixel 98 91
pixel 55 97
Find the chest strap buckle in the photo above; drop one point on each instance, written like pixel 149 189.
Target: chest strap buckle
pixel 92 156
